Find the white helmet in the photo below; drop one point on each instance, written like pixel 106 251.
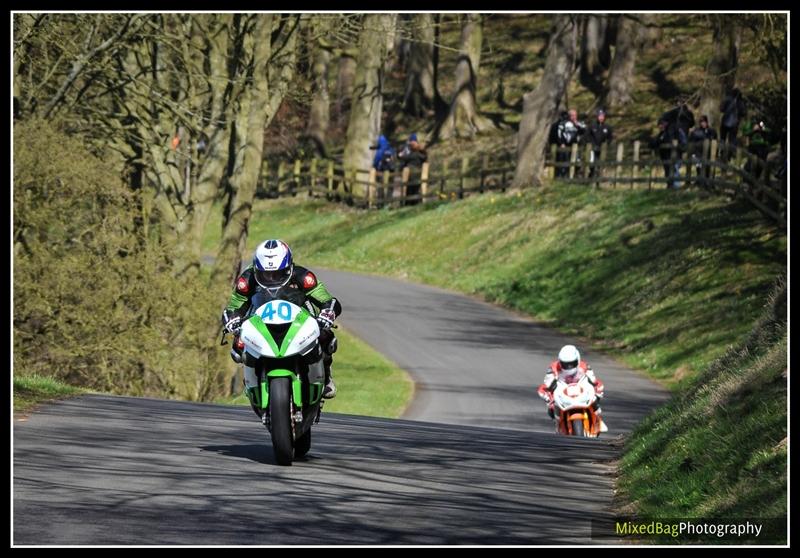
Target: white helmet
pixel 273 264
pixel 569 357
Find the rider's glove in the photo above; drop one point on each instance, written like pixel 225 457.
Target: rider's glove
pixel 326 317
pixel 233 324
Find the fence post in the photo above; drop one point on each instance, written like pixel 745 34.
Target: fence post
pixel 371 188
pixel 330 178
pixel 553 152
pixel 296 178
pixel 620 154
pixel 281 173
pixel 673 158
pixel 424 180
pixel 603 158
pixel 355 183
pixel 404 176
pixel 686 163
pixel 445 168
pixel 712 156
pixel 263 178
pixel 462 178
pixel 650 176
pixel 588 161
pixel 637 145
pixel 484 165
pixel 573 158
pixel 740 157
pixel 313 172
pixel 386 192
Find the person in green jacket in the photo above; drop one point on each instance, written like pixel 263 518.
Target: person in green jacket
pixel 274 271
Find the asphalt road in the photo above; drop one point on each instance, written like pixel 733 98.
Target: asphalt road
pixel 473 462
pixel 473 363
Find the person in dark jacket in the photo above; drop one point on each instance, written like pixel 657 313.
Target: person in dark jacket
pixel 598 133
pixel 733 111
pixel 758 134
pixel 553 139
pixel 412 153
pixel 671 158
pixel 697 138
pixel 568 133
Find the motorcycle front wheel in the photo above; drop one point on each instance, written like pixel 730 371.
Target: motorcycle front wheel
pixel 280 416
pixel 577 427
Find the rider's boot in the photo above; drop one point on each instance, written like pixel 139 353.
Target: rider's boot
pixel 330 388
pixel 599 412
pixel 250 389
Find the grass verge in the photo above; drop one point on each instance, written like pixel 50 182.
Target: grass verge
pixel 30 391
pixel 720 450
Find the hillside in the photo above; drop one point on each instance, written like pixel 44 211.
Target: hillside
pixel 665 282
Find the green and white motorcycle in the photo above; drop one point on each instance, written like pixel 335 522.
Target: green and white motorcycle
pixel 281 341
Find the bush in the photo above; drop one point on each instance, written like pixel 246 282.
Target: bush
pixel 96 303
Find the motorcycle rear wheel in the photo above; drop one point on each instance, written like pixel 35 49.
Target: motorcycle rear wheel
pixel 280 416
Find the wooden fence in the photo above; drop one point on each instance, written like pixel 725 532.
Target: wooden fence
pixel 709 166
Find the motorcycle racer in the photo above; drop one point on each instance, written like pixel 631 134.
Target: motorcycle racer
pixel 570 368
pixel 273 270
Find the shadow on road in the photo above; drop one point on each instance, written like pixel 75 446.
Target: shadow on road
pixel 168 478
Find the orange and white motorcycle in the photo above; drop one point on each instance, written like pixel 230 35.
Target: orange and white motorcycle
pixel 574 406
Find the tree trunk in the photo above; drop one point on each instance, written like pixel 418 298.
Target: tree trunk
pixel 463 119
pixel 419 94
pixel 650 31
pixel 540 106
pixel 23 27
pixel 365 115
pixel 319 116
pixel 213 159
pixel 283 61
pixel 591 46
pixel 248 135
pixel 346 76
pixel 440 106
pixel 721 74
pixel 621 73
pixel 608 35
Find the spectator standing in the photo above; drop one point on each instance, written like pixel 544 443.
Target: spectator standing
pixel 384 155
pixel 568 132
pixel 699 135
pixel 553 139
pixel 733 110
pixel 667 132
pixel 758 134
pixel 412 154
pixel 598 134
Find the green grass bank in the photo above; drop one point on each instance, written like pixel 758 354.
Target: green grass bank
pixel 719 450
pixel 665 281
pixel 33 390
